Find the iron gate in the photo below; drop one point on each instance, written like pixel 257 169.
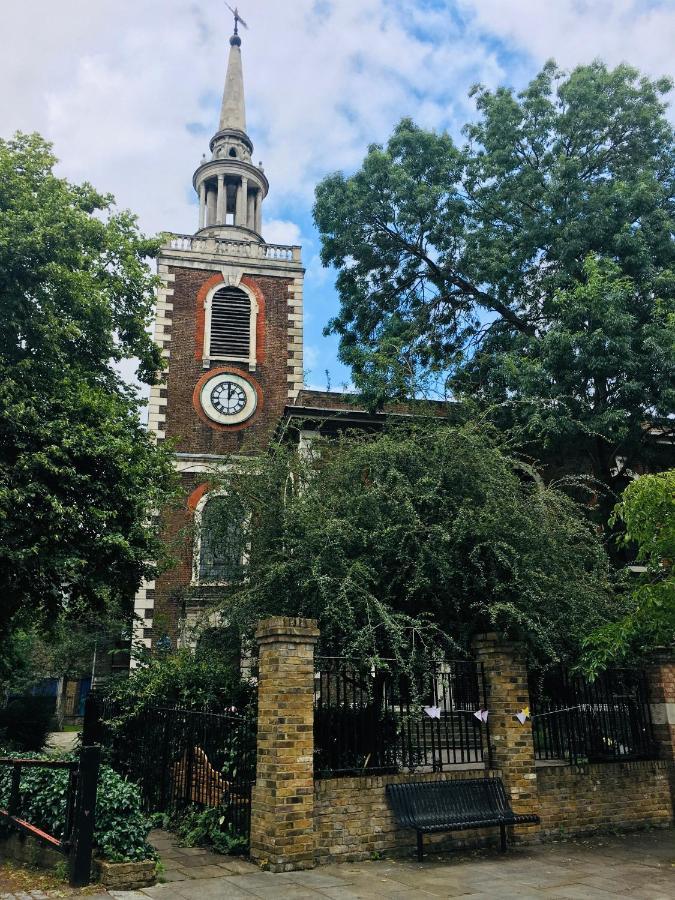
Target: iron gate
pixel 181 758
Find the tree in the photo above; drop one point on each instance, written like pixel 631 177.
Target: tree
pixel 78 472
pixel 531 269
pixel 647 513
pixel 415 539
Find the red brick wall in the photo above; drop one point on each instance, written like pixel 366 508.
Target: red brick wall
pixel 183 424
pixel 169 585
pixel 191 432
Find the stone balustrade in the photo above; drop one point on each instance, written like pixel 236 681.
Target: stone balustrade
pixel 228 247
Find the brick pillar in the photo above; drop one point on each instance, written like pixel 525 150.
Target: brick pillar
pixel 661 685
pixel 282 809
pixel 512 744
pixel 661 676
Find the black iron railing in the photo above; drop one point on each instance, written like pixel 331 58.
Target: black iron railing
pixel 580 721
pixel 76 839
pixel 381 721
pixel 182 757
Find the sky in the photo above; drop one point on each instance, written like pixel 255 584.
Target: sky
pixel 129 92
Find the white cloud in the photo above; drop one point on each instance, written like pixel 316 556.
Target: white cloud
pixel 129 92
pixel 115 84
pixel 640 32
pixel 278 231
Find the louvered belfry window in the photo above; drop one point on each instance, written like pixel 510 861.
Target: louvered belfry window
pixel 230 325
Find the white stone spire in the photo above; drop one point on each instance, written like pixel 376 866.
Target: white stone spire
pixel 230 187
pixel 233 110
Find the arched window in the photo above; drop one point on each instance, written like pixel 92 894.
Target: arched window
pixel 221 542
pixel 230 326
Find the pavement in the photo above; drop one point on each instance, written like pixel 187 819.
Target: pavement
pixel 62 741
pixel 639 865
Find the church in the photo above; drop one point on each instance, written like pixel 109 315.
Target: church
pixel 229 322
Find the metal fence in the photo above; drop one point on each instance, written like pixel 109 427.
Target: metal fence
pixel 580 721
pixel 385 721
pixel 182 757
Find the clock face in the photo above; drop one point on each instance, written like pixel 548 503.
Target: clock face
pixel 228 399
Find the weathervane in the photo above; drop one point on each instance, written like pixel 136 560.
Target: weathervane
pixel 237 18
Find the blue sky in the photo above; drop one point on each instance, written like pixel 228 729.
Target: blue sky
pixel 129 92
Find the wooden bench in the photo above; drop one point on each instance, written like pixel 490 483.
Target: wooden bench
pixel 432 806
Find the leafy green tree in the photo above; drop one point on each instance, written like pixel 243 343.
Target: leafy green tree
pixel 647 514
pixel 530 269
pixel 78 472
pixel 70 649
pixel 414 540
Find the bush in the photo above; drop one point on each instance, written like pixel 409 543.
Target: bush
pixel 121 828
pixel 198 827
pixel 198 680
pixel 411 541
pixel 192 679
pixel 26 721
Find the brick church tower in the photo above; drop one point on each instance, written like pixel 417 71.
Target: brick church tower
pixel 229 322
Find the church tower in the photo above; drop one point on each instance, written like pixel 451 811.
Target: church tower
pixel 229 322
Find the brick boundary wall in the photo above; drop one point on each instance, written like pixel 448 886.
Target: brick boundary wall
pixel 298 821
pixel 585 799
pixel 352 819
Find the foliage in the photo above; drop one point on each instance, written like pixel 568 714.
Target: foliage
pixel 197 827
pixel 17 670
pixel 406 541
pixel 531 269
pixel 121 828
pixel 192 679
pixel 67 651
pixel 26 721
pixel 78 472
pixel 647 514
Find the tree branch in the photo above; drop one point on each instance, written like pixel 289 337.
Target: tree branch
pixel 465 287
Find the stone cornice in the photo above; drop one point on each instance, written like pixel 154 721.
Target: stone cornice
pixel 228 165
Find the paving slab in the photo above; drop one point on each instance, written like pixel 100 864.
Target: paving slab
pixel 641 866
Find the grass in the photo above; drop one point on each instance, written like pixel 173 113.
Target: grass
pixel 17 878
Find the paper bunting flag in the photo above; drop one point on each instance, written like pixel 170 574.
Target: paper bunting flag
pixel 523 715
pixel 481 715
pixel 434 712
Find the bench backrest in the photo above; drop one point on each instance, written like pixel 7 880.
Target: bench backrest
pixel 461 800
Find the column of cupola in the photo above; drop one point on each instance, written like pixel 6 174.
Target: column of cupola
pixel 226 200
